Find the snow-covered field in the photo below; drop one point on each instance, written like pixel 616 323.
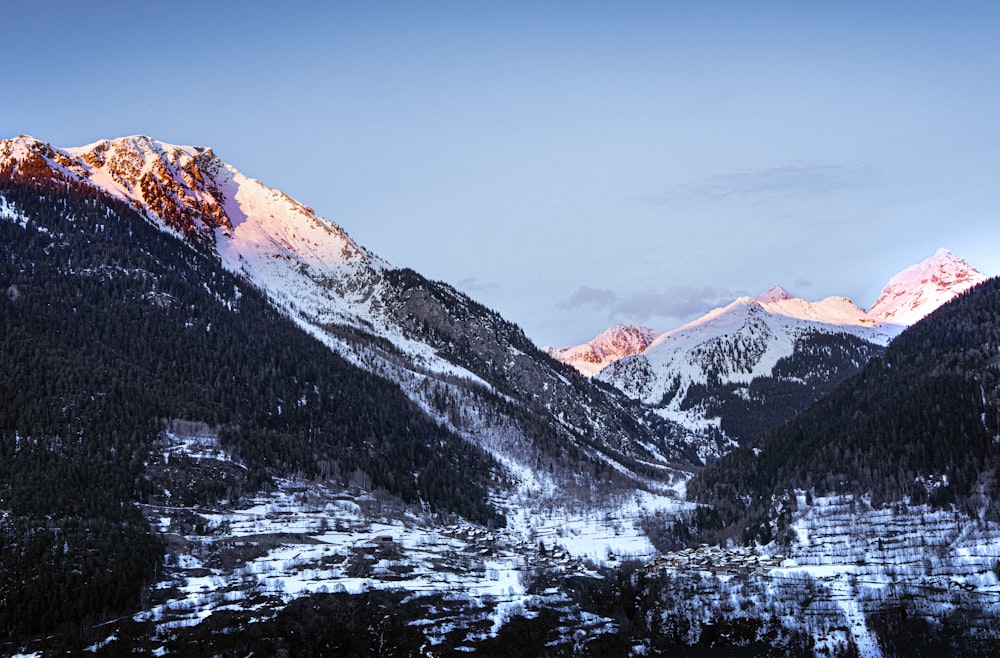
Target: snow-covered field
pixel 863 555
pixel 844 561
pixel 306 537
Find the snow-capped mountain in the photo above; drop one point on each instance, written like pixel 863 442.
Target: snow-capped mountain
pixel 442 348
pixel 840 314
pixel 745 339
pixel 610 345
pixel 723 352
pixel 920 289
pixel 185 470
pixel 309 265
pixel 767 357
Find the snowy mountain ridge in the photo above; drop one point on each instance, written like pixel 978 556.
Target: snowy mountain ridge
pixel 688 373
pixel 443 349
pixel 308 264
pixel 906 298
pixel 621 341
pixel 921 289
pixel 611 345
pixel 733 344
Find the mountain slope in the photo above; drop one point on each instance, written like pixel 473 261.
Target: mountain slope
pixel 496 389
pixel 112 331
pixel 919 424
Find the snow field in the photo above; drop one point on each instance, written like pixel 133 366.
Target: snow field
pixel 862 554
pixel 602 535
pixel 10 214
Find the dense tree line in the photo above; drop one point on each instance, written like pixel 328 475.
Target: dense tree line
pixel 107 327
pixel 818 363
pixel 918 424
pixel 569 418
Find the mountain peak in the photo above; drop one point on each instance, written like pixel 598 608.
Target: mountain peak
pixel 922 288
pixel 610 345
pixel 191 191
pixel 258 232
pixel 773 294
pixel 625 333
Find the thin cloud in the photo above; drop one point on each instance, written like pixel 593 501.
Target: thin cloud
pixel 676 302
pixel 472 285
pixel 594 297
pixel 794 180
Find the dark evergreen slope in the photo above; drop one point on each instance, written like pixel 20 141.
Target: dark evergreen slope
pixel 818 363
pixel 919 423
pixel 570 420
pixel 109 326
pixel 505 395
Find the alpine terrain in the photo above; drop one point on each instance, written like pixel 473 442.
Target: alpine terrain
pixel 749 366
pixel 229 429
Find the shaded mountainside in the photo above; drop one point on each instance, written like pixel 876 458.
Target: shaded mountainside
pixel 919 424
pixel 750 366
pixel 109 326
pixel 589 426
pixel 817 364
pixel 747 367
pixel 463 364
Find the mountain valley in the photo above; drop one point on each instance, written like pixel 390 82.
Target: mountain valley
pixel 742 369
pixel 228 429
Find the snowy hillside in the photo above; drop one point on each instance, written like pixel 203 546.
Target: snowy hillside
pixel 461 363
pixel 922 288
pixel 611 345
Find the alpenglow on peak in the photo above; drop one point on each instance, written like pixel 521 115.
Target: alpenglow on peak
pixel 920 289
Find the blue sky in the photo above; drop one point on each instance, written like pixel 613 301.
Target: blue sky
pixel 570 164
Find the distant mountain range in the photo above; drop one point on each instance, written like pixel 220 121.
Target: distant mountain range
pixel 758 361
pixel 711 383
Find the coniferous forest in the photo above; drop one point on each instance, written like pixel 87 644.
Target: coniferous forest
pixel 109 330
pixel 918 424
pixel 818 363
pixel 121 340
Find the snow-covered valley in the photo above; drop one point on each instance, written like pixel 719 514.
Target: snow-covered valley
pixel 844 569
pixel 206 474
pixel 251 558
